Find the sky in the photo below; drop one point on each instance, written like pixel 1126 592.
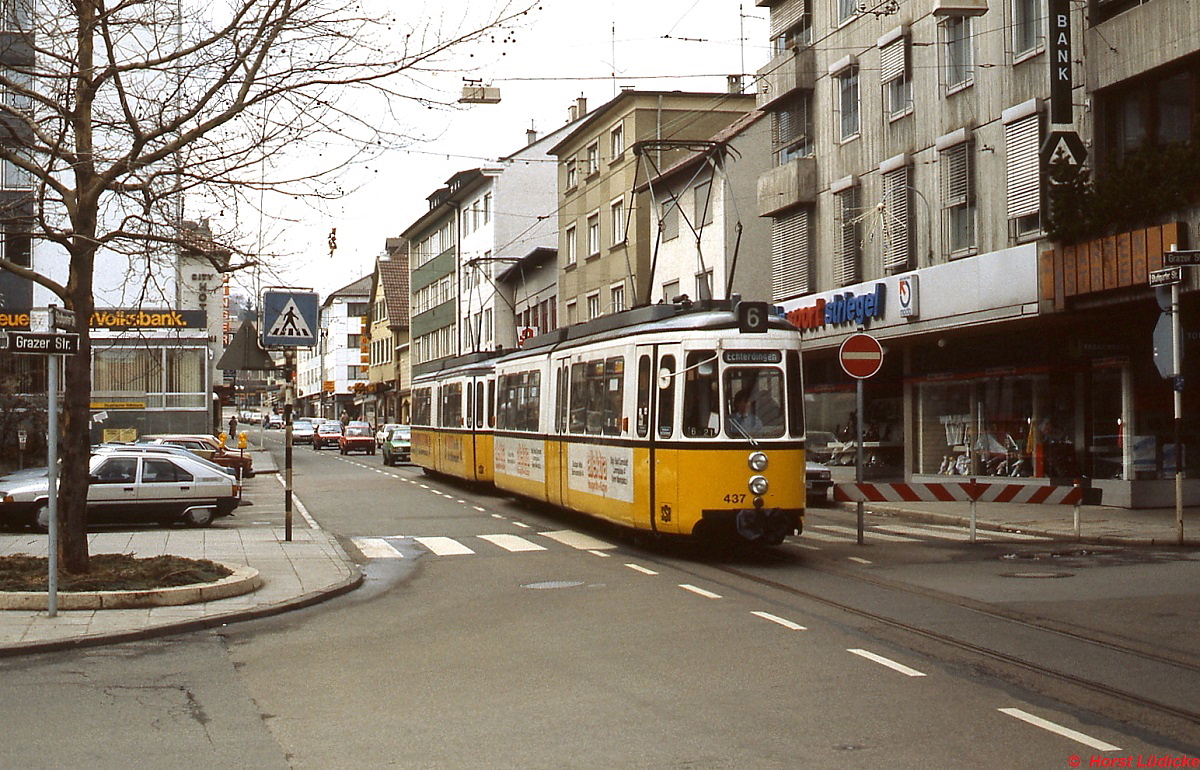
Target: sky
pixel 567 49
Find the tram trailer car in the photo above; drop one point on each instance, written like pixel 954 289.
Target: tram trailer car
pixel 453 414
pixel 634 418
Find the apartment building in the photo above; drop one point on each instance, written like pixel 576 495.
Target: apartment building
pixel 605 239
pixel 711 242
pixel 329 376
pixel 385 398
pixel 927 155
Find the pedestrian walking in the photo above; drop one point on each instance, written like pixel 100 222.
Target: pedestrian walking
pixel 233 423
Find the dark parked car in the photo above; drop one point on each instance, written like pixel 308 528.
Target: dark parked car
pixel 357 438
pixel 817 481
pixel 397 445
pixel 328 434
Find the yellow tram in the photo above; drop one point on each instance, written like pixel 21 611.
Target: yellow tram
pixel 662 418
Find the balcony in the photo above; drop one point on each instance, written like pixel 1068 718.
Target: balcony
pixel 788 185
pixel 787 72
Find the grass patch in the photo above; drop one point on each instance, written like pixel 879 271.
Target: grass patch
pixel 110 572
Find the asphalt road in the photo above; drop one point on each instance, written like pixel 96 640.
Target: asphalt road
pixel 492 634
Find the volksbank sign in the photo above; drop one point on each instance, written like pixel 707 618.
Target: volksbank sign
pixel 121 318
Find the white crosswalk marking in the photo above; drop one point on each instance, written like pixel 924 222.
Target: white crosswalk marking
pixel 377 548
pixel 512 543
pixel 578 540
pixel 444 546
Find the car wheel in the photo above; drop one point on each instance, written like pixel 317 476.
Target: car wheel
pixel 198 517
pixel 41 518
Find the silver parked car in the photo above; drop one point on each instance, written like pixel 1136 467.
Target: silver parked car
pixel 133 487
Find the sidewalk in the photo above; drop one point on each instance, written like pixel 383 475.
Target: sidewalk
pixel 1098 524
pixel 308 569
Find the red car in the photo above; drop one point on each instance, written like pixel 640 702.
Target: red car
pixel 328 434
pixel 357 438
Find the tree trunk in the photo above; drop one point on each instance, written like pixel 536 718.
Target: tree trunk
pixel 75 431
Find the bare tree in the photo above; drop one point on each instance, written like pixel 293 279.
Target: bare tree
pixel 112 111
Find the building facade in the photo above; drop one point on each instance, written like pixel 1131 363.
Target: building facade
pixel 387 393
pixel 605 240
pixel 914 193
pixel 328 375
pixel 711 241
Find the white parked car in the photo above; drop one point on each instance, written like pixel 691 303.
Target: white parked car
pixel 384 430
pixel 133 487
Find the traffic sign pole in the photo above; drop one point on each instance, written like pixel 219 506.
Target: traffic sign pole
pixel 861 356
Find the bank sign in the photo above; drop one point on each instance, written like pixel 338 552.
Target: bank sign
pixel 121 318
pixel 842 309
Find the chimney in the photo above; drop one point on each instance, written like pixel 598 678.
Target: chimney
pixel 581 106
pixel 530 135
pixel 733 84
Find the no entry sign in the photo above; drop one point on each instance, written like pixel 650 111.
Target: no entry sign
pixel 861 355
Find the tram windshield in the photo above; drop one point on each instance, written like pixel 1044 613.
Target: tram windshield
pixel 754 402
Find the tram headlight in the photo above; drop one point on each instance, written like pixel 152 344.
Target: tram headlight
pixel 758 461
pixel 759 485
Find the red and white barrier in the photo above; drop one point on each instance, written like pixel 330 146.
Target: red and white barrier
pixel 957 491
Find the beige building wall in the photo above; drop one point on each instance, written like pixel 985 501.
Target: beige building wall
pixel 605 240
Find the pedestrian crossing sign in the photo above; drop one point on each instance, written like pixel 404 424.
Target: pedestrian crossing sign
pixel 289 318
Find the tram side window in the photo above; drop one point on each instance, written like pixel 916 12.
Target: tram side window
pixel 614 397
pixel 421 401
pixel 795 391
pixel 700 397
pixel 451 413
pixel 595 397
pixel 578 419
pixel 643 396
pixel 519 401
pixel 666 398
pixel 491 404
pixel 470 404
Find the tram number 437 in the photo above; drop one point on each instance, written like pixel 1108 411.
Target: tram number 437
pixel 736 499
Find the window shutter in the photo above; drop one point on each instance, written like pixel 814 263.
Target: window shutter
pixel 786 15
pixel 892 61
pixel 791 255
pixel 897 202
pixel 1022 167
pixel 956 175
pixel 847 271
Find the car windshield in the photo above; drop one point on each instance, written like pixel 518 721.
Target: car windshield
pixel 328 428
pixel 358 430
pixel 400 434
pixel 302 424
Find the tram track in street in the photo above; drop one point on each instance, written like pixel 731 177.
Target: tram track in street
pixel 1122 658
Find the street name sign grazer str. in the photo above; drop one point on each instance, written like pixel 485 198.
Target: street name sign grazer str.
pixel 44 343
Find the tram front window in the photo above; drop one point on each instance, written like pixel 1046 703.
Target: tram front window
pixel 754 402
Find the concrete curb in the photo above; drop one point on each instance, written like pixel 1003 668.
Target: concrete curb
pixel 347 585
pixel 242 581
pixel 991 526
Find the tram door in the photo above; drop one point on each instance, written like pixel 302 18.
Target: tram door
pixel 654 428
pixel 556 464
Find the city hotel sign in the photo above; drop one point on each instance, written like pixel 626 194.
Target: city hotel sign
pixel 122 318
pixel 840 310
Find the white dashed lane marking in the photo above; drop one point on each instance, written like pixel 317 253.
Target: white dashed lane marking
pixel 1057 729
pixel 893 665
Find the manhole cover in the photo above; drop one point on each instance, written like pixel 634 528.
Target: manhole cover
pixel 554 584
pixel 1042 575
